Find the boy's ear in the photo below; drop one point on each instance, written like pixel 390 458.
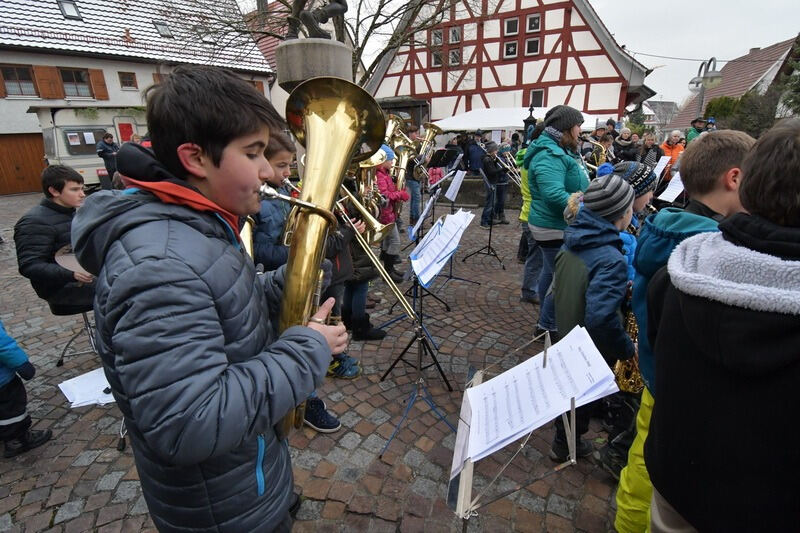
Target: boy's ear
pixel 731 179
pixel 54 193
pixel 193 159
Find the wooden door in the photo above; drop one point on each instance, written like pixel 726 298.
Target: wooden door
pixel 21 163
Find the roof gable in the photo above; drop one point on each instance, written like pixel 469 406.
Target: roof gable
pixel 738 76
pixel 125 28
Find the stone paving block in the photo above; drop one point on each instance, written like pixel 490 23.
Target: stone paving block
pixel 126 491
pixel 68 511
pixel 561 506
pixel 5 522
pixel 140 507
pixel 109 481
pixel 310 510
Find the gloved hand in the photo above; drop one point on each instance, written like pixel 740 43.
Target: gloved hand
pixel 26 371
pixel 327 274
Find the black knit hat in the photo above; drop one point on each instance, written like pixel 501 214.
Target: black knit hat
pixel 640 177
pixel 563 117
pixel 608 197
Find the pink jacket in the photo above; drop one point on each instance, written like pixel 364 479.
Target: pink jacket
pixel 389 190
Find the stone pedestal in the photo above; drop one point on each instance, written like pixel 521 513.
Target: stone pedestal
pixel 301 59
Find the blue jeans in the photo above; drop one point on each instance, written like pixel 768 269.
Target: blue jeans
pixel 533 264
pixel 354 302
pixel 547 315
pixel 488 206
pixel 414 190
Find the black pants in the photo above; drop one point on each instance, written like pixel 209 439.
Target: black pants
pixel 582 416
pixel 14 418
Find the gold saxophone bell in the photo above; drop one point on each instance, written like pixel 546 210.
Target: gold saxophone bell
pixel 627 373
pixel 332 118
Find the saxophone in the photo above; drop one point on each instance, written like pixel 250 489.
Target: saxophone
pixel 332 118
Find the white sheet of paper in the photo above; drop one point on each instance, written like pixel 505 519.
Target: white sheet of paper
pixel 674 188
pixel 455 185
pixel 88 136
pixel 412 232
pixel 662 163
pixel 497 136
pixel 529 395
pixel 87 389
pixel 441 241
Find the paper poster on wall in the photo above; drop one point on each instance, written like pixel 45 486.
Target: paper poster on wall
pixel 88 136
pixel 496 136
pixel 74 139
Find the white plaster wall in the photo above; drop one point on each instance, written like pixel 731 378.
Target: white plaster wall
pixel 531 70
pixel 461 11
pixel 573 72
pixel 576 19
pixel 468 83
pixel 419 83
pixel 435 79
pixel 507 74
pixel 491 29
pixel 598 66
pixel 549 43
pixel 13 109
pixel 584 40
pixel 554 19
pixel 492 6
pixel 525 4
pixel 553 70
pixel 492 51
pixel 604 95
pixel 487 78
pixel 452 79
pixel 508 5
pixel 467 55
pixel 470 31
pixel 578 94
pixel 404 89
pixel 504 98
pixel 397 64
pixel 477 102
pixel 422 58
pixel 557 95
pixel 386 89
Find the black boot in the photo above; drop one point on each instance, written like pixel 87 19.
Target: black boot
pixel 363 331
pixel 28 441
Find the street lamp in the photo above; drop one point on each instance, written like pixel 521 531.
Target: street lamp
pixel 707 77
pixel 528 122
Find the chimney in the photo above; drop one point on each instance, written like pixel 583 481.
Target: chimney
pixel 756 49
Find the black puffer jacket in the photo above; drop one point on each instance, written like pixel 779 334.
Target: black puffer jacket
pixel 185 332
pixel 38 235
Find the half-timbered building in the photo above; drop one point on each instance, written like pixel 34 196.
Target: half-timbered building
pixel 514 53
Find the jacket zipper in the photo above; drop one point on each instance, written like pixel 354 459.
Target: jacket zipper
pixel 260 465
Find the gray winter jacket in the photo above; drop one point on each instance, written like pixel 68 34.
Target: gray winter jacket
pixel 185 329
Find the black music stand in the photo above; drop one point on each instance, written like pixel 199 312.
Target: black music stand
pixel 488 249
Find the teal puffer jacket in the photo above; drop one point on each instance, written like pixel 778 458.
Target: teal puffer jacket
pixel 553 174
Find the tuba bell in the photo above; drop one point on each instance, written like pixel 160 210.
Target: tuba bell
pixel 425 149
pixel 332 118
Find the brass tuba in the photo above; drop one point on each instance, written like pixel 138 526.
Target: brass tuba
pixel 425 149
pixel 332 118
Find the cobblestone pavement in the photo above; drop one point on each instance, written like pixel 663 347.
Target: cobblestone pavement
pixel 80 482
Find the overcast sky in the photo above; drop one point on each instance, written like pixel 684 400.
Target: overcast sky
pixel 699 29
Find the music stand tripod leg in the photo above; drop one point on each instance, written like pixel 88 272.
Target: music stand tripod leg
pixel 427 348
pixel 398 358
pixel 411 399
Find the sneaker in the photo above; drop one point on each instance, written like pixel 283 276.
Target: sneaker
pixel 612 461
pixel 531 300
pixel 540 331
pixel 559 452
pixel 344 367
pixel 29 441
pixel 318 419
pixel 396 276
pixel 484 226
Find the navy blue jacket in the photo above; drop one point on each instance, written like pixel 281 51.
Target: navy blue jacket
pixel 268 248
pixel 591 282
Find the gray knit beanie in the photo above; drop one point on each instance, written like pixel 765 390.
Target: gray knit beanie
pixel 563 117
pixel 608 197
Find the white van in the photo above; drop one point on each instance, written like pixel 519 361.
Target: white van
pixel 71 135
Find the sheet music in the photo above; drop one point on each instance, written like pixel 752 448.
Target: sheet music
pixel 433 251
pixel 529 395
pixel 87 389
pixel 674 188
pixel 412 232
pixel 455 185
pixel 662 163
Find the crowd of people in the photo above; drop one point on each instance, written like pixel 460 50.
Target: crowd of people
pixel 187 322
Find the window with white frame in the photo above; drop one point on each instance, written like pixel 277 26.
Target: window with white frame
pixel 534 22
pixel 532 46
pixel 436 58
pixel 511 26
pixel 455 35
pixel 69 8
pixel 454 57
pixel 509 49
pixel 436 38
pixel 537 97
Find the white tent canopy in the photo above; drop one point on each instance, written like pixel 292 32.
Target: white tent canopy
pixel 499 118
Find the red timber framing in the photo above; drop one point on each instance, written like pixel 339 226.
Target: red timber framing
pixel 582 74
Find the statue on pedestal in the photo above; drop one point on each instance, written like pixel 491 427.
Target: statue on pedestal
pixel 312 19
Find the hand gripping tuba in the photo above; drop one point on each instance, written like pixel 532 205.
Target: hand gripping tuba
pixel 332 118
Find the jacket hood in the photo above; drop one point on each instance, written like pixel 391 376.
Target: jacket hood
pixel 663 231
pixel 590 231
pixel 738 304
pixel 107 215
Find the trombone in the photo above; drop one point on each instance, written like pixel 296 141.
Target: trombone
pixel 509 165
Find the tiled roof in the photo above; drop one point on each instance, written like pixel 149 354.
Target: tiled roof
pixel 125 28
pixel 738 77
pixel 272 23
